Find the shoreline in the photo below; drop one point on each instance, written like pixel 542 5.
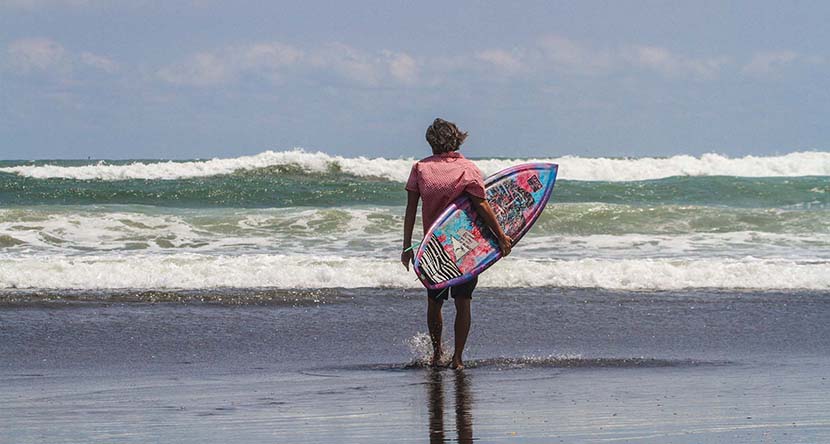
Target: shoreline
pixel 22 297
pixel 580 366
pixel 739 403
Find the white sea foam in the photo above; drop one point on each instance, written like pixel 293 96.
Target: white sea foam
pixel 363 231
pixel 211 230
pixel 737 244
pixel 195 271
pixel 810 163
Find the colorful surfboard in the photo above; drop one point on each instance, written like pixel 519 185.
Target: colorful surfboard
pixel 459 245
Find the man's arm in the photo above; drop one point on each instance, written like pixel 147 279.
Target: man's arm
pixel 408 225
pixel 485 211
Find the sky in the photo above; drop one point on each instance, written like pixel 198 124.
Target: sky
pixel 203 78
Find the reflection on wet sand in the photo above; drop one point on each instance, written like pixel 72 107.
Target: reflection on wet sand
pixel 435 395
pixel 463 406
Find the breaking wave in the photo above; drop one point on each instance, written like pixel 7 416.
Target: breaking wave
pixel 197 271
pixel 567 231
pixel 808 163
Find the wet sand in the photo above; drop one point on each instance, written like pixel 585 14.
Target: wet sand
pixel 582 366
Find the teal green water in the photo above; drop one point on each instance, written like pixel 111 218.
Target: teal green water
pixel 281 187
pixel 312 220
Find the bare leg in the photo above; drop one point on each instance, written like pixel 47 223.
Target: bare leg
pixel 462 329
pixel 435 322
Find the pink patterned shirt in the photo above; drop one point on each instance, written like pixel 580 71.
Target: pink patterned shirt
pixel 440 179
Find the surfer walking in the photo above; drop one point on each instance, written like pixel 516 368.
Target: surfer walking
pixel 436 181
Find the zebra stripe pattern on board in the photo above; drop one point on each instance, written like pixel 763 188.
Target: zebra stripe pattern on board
pixel 437 264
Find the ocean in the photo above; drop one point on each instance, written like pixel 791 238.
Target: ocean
pixel 298 219
pixel 261 299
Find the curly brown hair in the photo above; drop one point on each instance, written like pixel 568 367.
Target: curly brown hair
pixel 444 136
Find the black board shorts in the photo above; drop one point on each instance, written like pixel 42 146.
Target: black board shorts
pixel 464 290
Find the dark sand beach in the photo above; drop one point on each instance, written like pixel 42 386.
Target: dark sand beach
pixel 544 365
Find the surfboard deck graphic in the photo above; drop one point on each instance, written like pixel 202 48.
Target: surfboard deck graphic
pixel 459 245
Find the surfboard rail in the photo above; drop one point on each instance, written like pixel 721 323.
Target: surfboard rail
pixel 458 246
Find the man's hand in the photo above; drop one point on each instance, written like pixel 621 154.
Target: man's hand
pixel 505 245
pixel 406 258
pixel 486 212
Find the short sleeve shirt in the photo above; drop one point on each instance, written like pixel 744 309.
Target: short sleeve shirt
pixel 440 179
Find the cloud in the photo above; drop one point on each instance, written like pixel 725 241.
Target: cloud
pixel 364 68
pixel 766 62
pixel 349 63
pixel 341 64
pixel 202 69
pixel 229 64
pixel 573 57
pixel 506 62
pixel 38 55
pixel 269 56
pixel 403 67
pixel 273 60
pixel 667 62
pixel 99 62
pixel 46 57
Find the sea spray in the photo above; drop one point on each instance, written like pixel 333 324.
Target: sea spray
pixel 807 163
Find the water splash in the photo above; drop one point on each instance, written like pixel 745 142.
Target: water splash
pixel 420 346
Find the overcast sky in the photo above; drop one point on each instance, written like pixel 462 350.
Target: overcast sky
pixel 185 79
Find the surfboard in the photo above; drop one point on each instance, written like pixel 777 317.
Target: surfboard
pixel 459 245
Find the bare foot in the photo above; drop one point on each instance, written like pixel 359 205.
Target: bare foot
pixel 456 364
pixel 436 357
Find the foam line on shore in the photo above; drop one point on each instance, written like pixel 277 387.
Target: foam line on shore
pixel 195 271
